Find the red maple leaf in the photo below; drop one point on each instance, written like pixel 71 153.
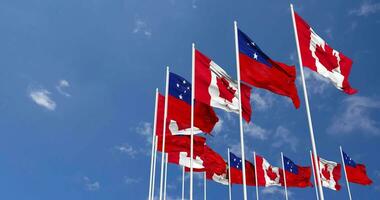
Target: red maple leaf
pixel 271 174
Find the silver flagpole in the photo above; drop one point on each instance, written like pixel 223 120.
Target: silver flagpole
pixel 163 133
pixel 307 106
pixel 256 181
pixel 153 145
pixel 315 179
pixel 345 173
pixel 204 186
pixel 166 174
pixel 240 110
pixel 154 166
pixel 229 175
pixel 283 171
pixel 192 119
pixel 183 182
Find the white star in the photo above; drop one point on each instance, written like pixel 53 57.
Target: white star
pixel 184 82
pixel 253 43
pixel 177 85
pixel 255 56
pixel 180 96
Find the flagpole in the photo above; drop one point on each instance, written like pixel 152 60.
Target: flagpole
pixel 345 172
pixel 283 171
pixel 153 146
pixel 315 157
pixel 163 132
pixel 240 110
pixel 166 174
pixel 229 175
pixel 204 186
pixel 154 166
pixel 192 119
pixel 315 180
pixel 183 182
pixel 256 181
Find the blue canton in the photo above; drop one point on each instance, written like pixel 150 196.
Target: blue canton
pixel 235 161
pixel 290 166
pixel 348 160
pixel 179 88
pixel 249 48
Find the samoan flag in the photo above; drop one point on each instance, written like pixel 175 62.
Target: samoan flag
pixel 236 171
pixel 258 70
pixel 296 176
pixel 356 173
pixel 179 108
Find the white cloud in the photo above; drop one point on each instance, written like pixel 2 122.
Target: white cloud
pixel 366 8
pixel 91 185
pixel 275 191
pixel 142 27
pixel 256 131
pixel 129 180
pixel 62 84
pixel 262 100
pixel 355 115
pixel 218 126
pixel 283 137
pixel 194 4
pixel 145 129
pixel 41 97
pixel 127 149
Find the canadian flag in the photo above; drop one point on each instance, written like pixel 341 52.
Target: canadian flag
pixel 321 58
pixel 267 175
pixel 214 87
pixel 330 173
pixel 183 159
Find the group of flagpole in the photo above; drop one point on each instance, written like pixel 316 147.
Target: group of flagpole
pixel 314 148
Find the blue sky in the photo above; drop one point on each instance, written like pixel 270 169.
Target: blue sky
pixel 77 88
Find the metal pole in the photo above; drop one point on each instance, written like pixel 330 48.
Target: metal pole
pixel 163 133
pixel 256 180
pixel 183 183
pixel 153 145
pixel 229 175
pixel 154 166
pixel 240 110
pixel 307 106
pixel 345 173
pixel 283 171
pixel 204 186
pixel 192 119
pixel 166 174
pixel 314 175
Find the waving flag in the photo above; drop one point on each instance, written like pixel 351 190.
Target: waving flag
pixel 236 170
pixel 321 58
pixel 296 176
pixel 181 143
pixel 214 87
pixel 179 108
pixel 267 175
pixel 356 173
pixel 258 70
pixel 330 174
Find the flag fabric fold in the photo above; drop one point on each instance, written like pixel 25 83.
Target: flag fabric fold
pixel 258 70
pixel 181 143
pixel 330 174
pixel 318 56
pixel 356 173
pixel 214 87
pixel 296 176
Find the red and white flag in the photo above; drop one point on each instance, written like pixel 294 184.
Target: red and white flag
pixel 330 173
pixel 214 87
pixel 321 58
pixel 267 175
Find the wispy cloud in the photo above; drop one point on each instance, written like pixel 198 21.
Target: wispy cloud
pixel 62 85
pixel 262 100
pixel 194 4
pixel 275 191
pixel 142 27
pixel 42 98
pixel 283 137
pixel 315 82
pixel 127 149
pixel 145 129
pixel 256 131
pixel 130 180
pixel 355 115
pixel 91 185
pixel 366 8
pixel 218 127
